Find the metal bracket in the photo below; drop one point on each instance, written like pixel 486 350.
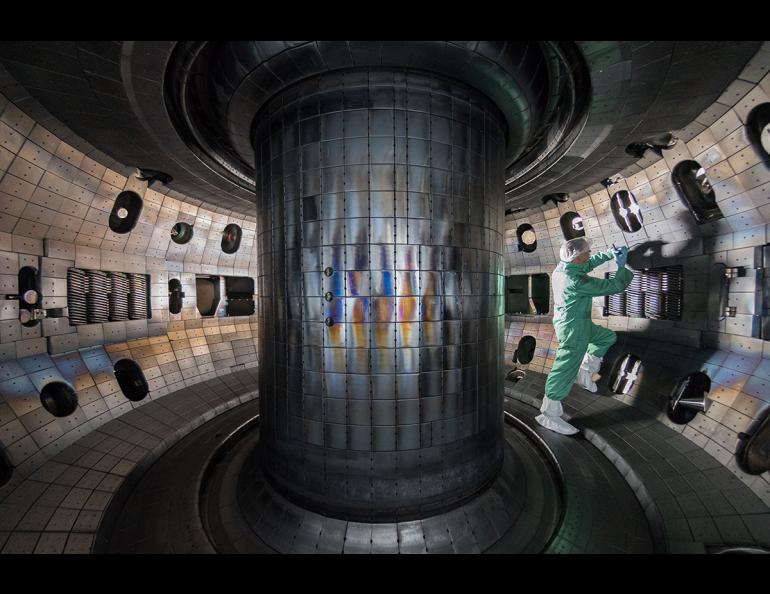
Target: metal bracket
pixel 514 375
pixel 683 407
pixel 31 317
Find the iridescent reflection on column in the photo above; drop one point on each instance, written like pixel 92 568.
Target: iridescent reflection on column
pixel 380 213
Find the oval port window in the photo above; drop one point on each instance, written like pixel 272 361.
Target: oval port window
pixel 175 296
pixel 689 398
pixel 28 285
pixel 626 210
pixel 181 233
pixel 207 294
pixel 527 294
pixel 572 226
pixel 59 399
pixel 131 380
pixel 231 238
pixel 29 295
pixel 6 468
pixel 527 239
pixel 125 212
pixel 696 192
pixel 754 456
pixel 239 291
pixel 624 373
pixel 525 351
pixel 758 130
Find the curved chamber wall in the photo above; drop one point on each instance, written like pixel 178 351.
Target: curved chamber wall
pixel 55 207
pixel 55 203
pixel 727 348
pixel 380 213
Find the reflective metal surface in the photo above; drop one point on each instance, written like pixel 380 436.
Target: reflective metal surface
pixel 382 188
pixel 57 191
pixel 214 89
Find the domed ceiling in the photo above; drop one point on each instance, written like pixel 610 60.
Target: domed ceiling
pixel 188 108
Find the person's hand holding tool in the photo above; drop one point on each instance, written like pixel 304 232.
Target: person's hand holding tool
pixel 621 255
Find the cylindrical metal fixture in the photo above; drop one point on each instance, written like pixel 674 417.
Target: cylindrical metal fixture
pixel 77 287
pixel 137 297
pixel 383 188
pixel 120 289
pixel 97 298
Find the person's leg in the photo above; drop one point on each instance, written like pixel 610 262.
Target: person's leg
pixel 563 372
pixel 601 339
pixel 558 385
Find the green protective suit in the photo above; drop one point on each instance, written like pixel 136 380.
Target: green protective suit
pixel 573 291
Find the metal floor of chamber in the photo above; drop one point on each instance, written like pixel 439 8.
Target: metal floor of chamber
pixel 205 495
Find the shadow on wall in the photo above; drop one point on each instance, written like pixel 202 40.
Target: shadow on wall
pixel 669 351
pixel 641 255
pixel 667 355
pixel 664 367
pixel 656 252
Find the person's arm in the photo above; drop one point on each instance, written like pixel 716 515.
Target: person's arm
pixel 589 286
pixel 599 258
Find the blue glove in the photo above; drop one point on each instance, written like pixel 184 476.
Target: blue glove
pixel 621 255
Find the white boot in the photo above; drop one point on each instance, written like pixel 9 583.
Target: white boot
pixel 587 375
pixel 551 418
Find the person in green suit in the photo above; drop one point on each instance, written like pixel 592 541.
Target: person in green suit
pixel 582 344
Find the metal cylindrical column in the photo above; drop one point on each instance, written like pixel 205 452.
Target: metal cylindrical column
pixel 380 219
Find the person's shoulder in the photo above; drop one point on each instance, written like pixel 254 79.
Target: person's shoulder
pixel 580 277
pixel 574 271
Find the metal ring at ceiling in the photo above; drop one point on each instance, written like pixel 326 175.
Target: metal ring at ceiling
pixel 213 91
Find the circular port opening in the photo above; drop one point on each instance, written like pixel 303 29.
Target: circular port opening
pixel 181 233
pixel 231 238
pixel 59 399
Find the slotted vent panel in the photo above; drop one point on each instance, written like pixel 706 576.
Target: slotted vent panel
pixel 98 296
pixel 654 293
